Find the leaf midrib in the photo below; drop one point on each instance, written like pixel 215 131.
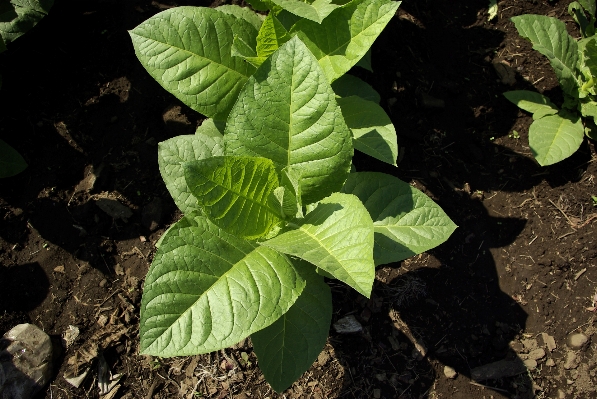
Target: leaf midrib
pixel 192 54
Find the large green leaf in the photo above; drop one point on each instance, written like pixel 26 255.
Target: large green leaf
pixel 533 102
pixel 346 35
pixel 287 112
pixel 554 138
pixel 188 51
pixel 234 193
pixel 242 13
pixel 174 152
pixel 406 221
pixel 336 235
pixel 288 347
pixel 348 85
pixel 19 16
pixel 11 162
pixel 550 37
pixel 373 131
pixel 207 290
pixel 315 11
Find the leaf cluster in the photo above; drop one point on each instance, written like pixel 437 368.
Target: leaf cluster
pixel 556 133
pixel 270 206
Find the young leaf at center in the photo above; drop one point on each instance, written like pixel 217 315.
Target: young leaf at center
pixel 287 112
pixel 234 193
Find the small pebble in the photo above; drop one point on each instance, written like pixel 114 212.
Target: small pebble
pixel 450 373
pixel 571 361
pixel 103 283
pixel 531 364
pixel 550 363
pixel 577 341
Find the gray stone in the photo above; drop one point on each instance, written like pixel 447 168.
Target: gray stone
pixel 577 341
pixel 347 325
pixel 450 372
pixel 26 362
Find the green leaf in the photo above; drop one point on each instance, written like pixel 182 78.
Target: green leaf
pixel 348 85
pixel 575 9
pixel 2 45
pixel 261 5
pixel 242 13
pixel 373 131
pixel 555 137
pixel 493 10
pixel 287 112
pixel 365 62
pixel 336 235
pixel 588 108
pixel 187 50
pixel 287 197
pixel 271 36
pixel 207 290
pixel 11 162
pixel 533 102
pixel 287 19
pixel 234 193
pixel 211 128
pixel 246 52
pixel 288 347
pixel 315 11
pixel 589 65
pixel 173 153
pixel 346 35
pixel 549 37
pixel 19 16
pixel 406 221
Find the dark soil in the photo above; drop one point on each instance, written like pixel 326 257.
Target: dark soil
pixel 87 117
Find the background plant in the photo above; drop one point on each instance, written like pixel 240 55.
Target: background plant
pixel 556 133
pixel 16 18
pixel 270 204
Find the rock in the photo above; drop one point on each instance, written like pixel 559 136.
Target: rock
pixel 561 394
pixel 529 344
pixel 549 341
pixel 550 363
pixel 577 341
pixel 499 369
pixel 530 364
pixel 536 354
pixel 323 358
pixel 450 373
pixel 347 325
pixel 26 362
pixel 151 216
pixel 571 360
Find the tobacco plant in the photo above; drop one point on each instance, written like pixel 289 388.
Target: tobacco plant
pixel 556 133
pixel 270 206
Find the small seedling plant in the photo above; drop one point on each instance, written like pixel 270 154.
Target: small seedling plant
pixel 270 206
pixel 16 18
pixel 556 133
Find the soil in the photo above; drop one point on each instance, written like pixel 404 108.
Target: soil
pixel 79 225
